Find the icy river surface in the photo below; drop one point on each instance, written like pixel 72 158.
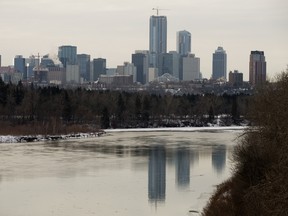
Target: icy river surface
pixel 120 173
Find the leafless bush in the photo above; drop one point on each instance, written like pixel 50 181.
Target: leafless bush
pixel 259 183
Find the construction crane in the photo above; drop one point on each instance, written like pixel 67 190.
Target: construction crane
pixel 37 57
pixel 158 9
pixel 38 63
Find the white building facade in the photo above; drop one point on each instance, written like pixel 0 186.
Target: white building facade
pixel 191 67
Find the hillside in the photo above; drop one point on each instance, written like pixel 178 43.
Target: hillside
pixel 259 185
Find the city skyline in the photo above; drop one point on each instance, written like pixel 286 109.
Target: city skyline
pixel 114 30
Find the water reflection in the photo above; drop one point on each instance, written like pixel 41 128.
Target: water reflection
pixel 194 157
pixel 219 158
pixel 116 174
pixel 157 174
pixel 182 165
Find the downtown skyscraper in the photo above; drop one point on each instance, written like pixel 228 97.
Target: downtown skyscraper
pixel 157 39
pixel 67 55
pixel 183 43
pixel 257 68
pixel 219 65
pixel 140 61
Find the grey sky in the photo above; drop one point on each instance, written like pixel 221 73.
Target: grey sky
pixel 114 29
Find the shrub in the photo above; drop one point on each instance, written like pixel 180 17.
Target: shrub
pixel 259 185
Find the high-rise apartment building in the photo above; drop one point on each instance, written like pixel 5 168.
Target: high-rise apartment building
pixel 183 42
pixel 157 38
pixel 67 55
pixel 99 67
pixel 219 68
pixel 83 61
pixel 257 68
pixel 235 78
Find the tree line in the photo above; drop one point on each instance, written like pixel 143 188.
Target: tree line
pixel 54 107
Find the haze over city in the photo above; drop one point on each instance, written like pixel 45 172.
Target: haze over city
pixel 114 30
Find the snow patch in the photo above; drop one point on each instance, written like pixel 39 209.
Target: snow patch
pixel 177 129
pixel 38 138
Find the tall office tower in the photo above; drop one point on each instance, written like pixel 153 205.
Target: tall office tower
pixel 83 61
pixel 169 63
pixel 157 38
pixel 219 69
pixel 257 68
pixel 72 74
pixel 19 64
pixel 140 61
pixel 99 67
pixel 190 66
pixel 176 63
pixel 67 55
pixel 183 43
pixel 165 64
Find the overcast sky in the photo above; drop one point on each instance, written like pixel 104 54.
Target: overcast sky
pixel 114 29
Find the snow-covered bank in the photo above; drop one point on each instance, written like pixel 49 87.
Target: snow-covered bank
pixel 37 138
pixel 8 139
pixel 176 129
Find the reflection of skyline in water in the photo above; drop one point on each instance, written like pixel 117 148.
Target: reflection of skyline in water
pixel 182 165
pixel 186 159
pixel 219 158
pixel 124 174
pixel 157 174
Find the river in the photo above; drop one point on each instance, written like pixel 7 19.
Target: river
pixel 120 173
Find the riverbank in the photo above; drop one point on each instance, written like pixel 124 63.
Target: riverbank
pixel 38 138
pixel 177 129
pixel 258 185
